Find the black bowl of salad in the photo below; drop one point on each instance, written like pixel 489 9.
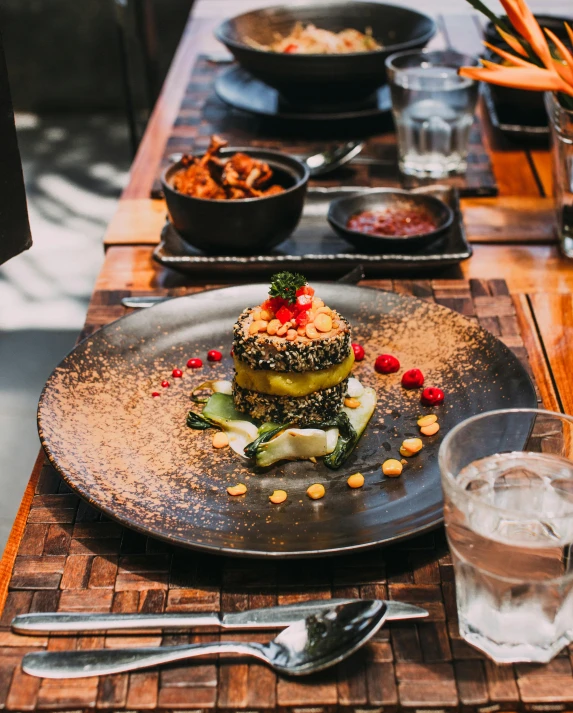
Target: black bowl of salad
pixel 324 53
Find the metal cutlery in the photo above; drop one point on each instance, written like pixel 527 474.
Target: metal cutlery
pixel 264 618
pixel 142 302
pixel 327 161
pixel 312 644
pixel 219 57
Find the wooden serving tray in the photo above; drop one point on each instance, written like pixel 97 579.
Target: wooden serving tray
pixel 315 249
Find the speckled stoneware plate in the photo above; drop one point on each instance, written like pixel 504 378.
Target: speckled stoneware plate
pixel 132 456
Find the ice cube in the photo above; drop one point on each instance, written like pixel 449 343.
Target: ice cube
pixel 519 489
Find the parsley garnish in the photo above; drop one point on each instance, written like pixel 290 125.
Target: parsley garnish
pixel 285 285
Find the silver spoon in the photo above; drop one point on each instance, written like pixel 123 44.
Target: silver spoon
pixel 312 644
pixel 319 163
pixel 331 159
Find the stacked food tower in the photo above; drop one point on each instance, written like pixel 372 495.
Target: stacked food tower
pixel 292 356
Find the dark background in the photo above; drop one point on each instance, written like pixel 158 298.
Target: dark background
pixel 64 54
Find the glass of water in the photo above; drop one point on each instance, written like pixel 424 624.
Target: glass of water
pixel 433 109
pixel 507 478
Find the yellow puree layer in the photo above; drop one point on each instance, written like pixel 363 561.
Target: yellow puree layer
pixel 291 383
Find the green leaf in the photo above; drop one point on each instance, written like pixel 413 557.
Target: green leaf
pixel 285 284
pixel 220 407
pixel 199 422
pixel 499 21
pixel 347 439
pixel 266 432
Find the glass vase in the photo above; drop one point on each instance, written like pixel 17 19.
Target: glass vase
pixel 561 123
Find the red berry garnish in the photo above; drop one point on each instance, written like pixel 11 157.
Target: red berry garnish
pixel 231 353
pixel 214 355
pixel 155 393
pixel 358 352
pixel 386 364
pixel 177 373
pixel 432 396
pixel 194 364
pixel 412 379
pixel 165 384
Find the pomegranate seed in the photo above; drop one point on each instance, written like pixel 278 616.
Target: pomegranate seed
pixel 194 364
pixel 155 393
pixel 358 352
pixel 386 364
pixel 165 384
pixel 214 355
pixel 432 396
pixel 412 379
pixel 177 373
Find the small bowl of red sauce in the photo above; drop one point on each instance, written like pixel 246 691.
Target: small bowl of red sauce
pixel 388 219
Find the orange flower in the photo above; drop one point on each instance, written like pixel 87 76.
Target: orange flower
pixel 555 75
pixel 564 68
pixel 516 61
pixel 528 27
pixel 536 78
pixel 512 41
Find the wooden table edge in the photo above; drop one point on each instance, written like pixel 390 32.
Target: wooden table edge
pixel 17 531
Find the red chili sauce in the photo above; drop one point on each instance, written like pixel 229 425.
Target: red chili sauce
pixel 393 222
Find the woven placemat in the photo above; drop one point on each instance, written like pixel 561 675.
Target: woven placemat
pixel 202 113
pixel 72 558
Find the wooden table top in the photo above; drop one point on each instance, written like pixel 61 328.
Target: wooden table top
pixel 513 241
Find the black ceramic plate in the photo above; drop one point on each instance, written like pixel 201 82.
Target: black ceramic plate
pixel 132 456
pixel 236 87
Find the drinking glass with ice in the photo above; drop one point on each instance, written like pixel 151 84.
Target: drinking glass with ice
pixel 507 478
pixel 433 109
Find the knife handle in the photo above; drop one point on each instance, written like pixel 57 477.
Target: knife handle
pixel 71 622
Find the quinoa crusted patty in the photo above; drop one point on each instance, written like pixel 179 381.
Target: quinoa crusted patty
pixel 262 351
pixel 318 406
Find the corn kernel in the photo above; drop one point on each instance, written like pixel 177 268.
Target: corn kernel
pixel 273 326
pixel 278 496
pixel 315 491
pixel 427 420
pixel 239 489
pixel 413 444
pixel 392 468
pixel 430 430
pixel 220 440
pixel 323 322
pixel 356 480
